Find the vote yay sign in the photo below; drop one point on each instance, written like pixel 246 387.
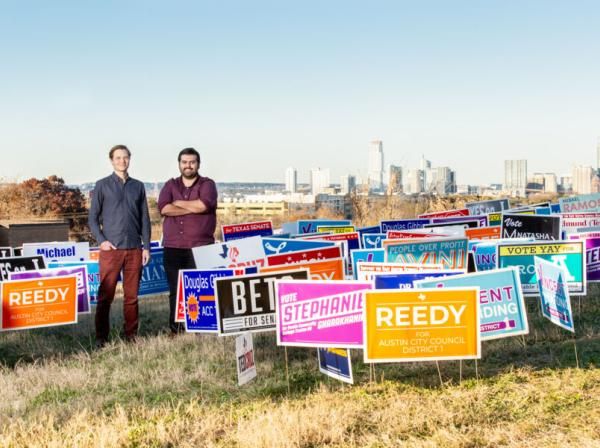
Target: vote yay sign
pixel 421 325
pixel 39 303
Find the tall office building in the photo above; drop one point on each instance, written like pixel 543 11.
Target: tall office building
pixel 375 175
pixel 291 180
pixel 319 180
pixel 582 179
pixel 515 177
pixel 425 166
pixel 443 180
pixel 395 180
pixel 347 184
pixel 414 181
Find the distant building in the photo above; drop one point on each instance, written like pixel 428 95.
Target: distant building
pixel 414 181
pixel 582 179
pixel 375 173
pixel 565 184
pixel 395 180
pixel 515 177
pixel 319 180
pixel 336 203
pixel 347 184
pixel 443 180
pixel 425 166
pixel 291 180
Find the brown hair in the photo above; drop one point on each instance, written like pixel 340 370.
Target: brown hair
pixel 116 148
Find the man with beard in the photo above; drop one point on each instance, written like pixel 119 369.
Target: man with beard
pixel 188 204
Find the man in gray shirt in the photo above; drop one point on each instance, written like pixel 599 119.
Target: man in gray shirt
pixel 120 222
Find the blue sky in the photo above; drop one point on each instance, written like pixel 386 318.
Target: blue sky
pixel 259 86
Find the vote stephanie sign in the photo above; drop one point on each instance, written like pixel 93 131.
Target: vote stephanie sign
pixel 421 325
pixel 37 303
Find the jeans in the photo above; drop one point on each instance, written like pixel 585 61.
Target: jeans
pixel 174 260
pixel 111 264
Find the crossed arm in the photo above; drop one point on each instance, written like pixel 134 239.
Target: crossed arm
pixel 180 208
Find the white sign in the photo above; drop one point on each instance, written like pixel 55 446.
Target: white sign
pixel 58 251
pixel 236 253
pixel 244 355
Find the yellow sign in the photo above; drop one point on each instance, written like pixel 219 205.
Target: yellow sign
pixel 335 229
pixel 421 325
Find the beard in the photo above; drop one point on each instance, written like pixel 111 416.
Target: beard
pixel 189 174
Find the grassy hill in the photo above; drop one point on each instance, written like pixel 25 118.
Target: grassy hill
pixel 57 391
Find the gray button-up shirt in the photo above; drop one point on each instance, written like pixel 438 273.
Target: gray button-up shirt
pixel 119 213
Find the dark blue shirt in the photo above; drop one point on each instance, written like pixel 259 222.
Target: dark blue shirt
pixel 119 213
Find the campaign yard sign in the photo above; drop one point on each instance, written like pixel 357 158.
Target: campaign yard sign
pixel 322 253
pixel 310 225
pixel 39 303
pixel 450 252
pixel 335 363
pixel 247 229
pixel 231 254
pixel 569 255
pixel 471 221
pixel 83 295
pixel 93 275
pixel 335 229
pixel 421 325
pixel 372 240
pixel 318 270
pixel 244 354
pixel 198 291
pixel 320 313
pixel 445 213
pixel 20 264
pixel 406 280
pixel 495 219
pixel 371 255
pixel 154 277
pixel 6 252
pixel 573 221
pixel 538 227
pixel 483 233
pixel 366 270
pixel 247 302
pixel 581 203
pixel 502 311
pixel 554 294
pixel 403 224
pixel 277 246
pixel 58 251
pixel 592 255
pixel 485 207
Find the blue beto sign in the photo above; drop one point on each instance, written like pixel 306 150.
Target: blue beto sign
pixel 374 255
pixel 199 298
pixel 372 240
pixel 276 246
pixel 405 280
pixel 372 229
pixel 501 305
pixel 335 362
pixel 154 277
pixel 403 224
pixel 310 225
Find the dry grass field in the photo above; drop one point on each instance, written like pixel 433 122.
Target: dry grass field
pixel 527 392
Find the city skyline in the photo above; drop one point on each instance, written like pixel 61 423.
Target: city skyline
pixel 260 87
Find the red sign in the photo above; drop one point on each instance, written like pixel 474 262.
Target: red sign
pixel 322 253
pixel 446 213
pixel 247 227
pixel 336 237
pixel 403 234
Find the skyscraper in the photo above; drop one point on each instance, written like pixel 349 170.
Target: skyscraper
pixel 291 180
pixel 443 180
pixel 515 177
pixel 582 179
pixel 395 181
pixel 375 175
pixel 319 180
pixel 347 183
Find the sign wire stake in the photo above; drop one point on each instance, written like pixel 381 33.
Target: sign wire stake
pixel 437 364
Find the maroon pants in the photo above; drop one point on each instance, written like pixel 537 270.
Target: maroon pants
pixel 111 264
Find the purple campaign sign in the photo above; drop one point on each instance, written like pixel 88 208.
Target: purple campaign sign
pixel 592 253
pixel 83 297
pixel 320 313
